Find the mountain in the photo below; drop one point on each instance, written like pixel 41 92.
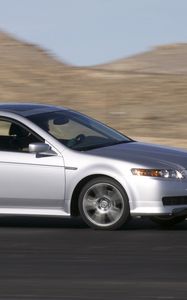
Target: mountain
pixel 143 96
pixel 167 59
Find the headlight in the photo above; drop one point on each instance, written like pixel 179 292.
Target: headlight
pixel 163 173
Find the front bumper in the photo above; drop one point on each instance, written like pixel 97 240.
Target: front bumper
pixel 153 196
pixel 179 212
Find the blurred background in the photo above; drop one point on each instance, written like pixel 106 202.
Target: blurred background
pixel 123 62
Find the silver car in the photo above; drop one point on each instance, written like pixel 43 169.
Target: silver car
pixel 58 162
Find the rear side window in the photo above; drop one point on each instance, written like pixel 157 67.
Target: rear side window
pixel 4 128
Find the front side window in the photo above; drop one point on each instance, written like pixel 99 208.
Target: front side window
pixel 77 131
pixel 15 137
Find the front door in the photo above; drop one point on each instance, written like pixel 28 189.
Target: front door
pixel 27 180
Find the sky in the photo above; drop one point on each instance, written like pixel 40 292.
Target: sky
pixel 90 32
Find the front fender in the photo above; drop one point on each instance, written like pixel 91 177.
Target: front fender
pixel 75 176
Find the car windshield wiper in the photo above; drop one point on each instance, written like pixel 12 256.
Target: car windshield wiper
pixel 121 142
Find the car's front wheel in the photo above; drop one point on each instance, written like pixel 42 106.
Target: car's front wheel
pixel 167 221
pixel 103 204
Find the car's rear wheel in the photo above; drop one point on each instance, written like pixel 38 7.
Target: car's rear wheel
pixel 103 204
pixel 167 220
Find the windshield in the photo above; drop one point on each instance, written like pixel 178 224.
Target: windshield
pixel 77 131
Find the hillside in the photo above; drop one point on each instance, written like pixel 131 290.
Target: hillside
pixel 167 59
pixel 143 96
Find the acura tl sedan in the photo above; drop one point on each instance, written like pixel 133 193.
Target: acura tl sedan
pixel 58 162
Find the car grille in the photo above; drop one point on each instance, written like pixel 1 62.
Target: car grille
pixel 179 200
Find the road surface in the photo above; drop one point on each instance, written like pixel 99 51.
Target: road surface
pixel 43 258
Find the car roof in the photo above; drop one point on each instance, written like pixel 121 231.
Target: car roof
pixel 28 109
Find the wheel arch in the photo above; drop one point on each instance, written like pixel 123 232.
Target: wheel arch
pixel 74 209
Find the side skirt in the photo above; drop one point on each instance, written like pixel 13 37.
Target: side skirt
pixel 33 211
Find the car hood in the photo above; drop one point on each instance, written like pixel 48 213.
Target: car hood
pixel 145 154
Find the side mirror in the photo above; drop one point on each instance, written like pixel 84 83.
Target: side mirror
pixel 39 148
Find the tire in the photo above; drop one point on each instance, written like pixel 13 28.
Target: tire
pixel 103 204
pixel 167 221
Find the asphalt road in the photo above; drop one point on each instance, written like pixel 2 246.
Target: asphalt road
pixel 64 259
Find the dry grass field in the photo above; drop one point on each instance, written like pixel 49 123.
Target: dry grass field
pixel 144 96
